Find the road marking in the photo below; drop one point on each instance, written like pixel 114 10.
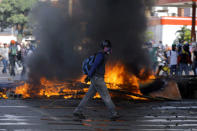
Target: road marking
pixel 13 106
pixel 173 107
pixel 18 123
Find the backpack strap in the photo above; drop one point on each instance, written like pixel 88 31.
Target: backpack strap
pixel 95 54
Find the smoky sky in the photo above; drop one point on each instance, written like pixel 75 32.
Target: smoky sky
pixel 64 40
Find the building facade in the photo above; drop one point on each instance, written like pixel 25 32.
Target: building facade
pixel 167 17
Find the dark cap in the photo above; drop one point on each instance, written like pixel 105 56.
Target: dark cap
pixel 105 43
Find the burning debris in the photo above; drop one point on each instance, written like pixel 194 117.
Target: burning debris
pixel 12 95
pixel 8 90
pixel 119 82
pixel 162 88
pixel 170 91
pixel 116 78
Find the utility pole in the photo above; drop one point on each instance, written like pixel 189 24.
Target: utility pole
pixel 193 33
pixel 70 8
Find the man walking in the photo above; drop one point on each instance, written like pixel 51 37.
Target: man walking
pixel 12 56
pixel 96 76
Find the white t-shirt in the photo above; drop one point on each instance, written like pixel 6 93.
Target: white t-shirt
pixel 4 52
pixel 18 47
pixel 173 57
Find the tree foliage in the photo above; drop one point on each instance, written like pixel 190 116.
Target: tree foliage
pixel 15 13
pixel 184 35
pixel 149 35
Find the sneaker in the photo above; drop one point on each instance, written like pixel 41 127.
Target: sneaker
pixel 79 115
pixel 114 116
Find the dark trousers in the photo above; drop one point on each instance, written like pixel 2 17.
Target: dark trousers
pixel 173 69
pixel 12 64
pixel 184 67
pixel 24 67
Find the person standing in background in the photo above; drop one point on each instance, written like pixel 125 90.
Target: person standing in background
pixel 172 58
pixel 12 56
pixel 5 57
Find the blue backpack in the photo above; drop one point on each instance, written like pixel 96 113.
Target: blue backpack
pixel 87 64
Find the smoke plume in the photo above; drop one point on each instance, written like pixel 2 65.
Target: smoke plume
pixel 65 40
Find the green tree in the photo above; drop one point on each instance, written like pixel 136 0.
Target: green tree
pixel 15 13
pixel 149 35
pixel 5 9
pixel 184 34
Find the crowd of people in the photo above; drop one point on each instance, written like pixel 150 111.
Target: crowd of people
pixel 179 59
pixel 13 54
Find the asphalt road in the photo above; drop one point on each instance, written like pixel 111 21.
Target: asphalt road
pixel 56 115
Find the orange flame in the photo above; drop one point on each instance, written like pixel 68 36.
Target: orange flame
pixel 116 78
pixel 23 90
pixel 2 95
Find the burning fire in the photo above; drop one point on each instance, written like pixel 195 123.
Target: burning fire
pixel 2 95
pixel 49 89
pixel 116 78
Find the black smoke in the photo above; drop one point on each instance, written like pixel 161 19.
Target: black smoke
pixel 64 40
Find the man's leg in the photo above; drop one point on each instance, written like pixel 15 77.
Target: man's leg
pixel 176 70
pixel 12 64
pixel 171 70
pixel 91 92
pixel 196 70
pixel 195 67
pixel 99 84
pixel 159 70
pixel 186 69
pixel 24 68
pixel 181 69
pixel 4 65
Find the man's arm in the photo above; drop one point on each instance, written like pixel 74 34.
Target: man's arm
pixel 98 60
pixel 9 49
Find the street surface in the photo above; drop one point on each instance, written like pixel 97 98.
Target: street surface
pixel 56 114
